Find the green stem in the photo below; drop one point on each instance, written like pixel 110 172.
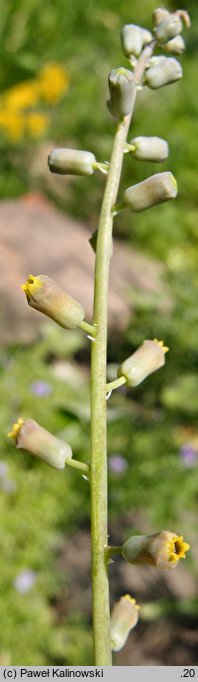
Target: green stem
pixel 81 466
pixel 99 531
pixel 111 551
pixel 115 384
pixel 88 328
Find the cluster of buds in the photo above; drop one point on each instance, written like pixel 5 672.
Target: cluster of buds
pixel 166 33
pixel 163 549
pixel 30 436
pixel 167 25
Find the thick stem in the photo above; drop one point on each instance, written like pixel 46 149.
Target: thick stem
pixel 99 532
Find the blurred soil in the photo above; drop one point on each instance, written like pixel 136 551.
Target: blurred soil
pixel 36 238
pixel 157 639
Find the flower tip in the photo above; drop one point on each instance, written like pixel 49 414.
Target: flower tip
pixel 161 344
pixel 181 547
pixel 15 429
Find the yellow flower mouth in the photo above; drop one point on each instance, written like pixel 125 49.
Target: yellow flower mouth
pixel 132 600
pixel 178 549
pixel 30 285
pixel 161 344
pixel 16 429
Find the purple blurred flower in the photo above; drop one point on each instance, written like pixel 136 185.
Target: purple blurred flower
pixel 9 486
pixel 189 455
pixel 117 464
pixel 41 388
pixel 24 581
pixel 3 469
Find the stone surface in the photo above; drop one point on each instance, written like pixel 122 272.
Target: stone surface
pixel 36 238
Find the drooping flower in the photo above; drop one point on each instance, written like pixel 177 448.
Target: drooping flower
pixel 32 437
pixel 149 357
pixel 45 295
pixel 124 617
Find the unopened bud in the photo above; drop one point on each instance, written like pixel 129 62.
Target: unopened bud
pixel 121 87
pixel 149 357
pixel 45 295
pixel 162 71
pixel 32 437
pixel 169 28
pixel 133 39
pixel 163 549
pixel 155 190
pixel 175 46
pixel 71 162
pixel 149 148
pixel 124 617
pixel 159 15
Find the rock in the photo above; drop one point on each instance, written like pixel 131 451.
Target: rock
pixel 36 238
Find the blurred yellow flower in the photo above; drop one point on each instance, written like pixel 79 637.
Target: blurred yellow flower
pixel 22 96
pixel 18 115
pixel 53 81
pixel 12 124
pixel 36 123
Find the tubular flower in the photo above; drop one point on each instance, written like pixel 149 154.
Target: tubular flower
pixel 133 39
pixel 162 71
pixel 149 357
pixel 175 46
pixel 162 549
pixel 124 617
pixel 149 148
pixel 121 88
pixel 30 436
pixel 44 294
pixel 71 162
pixel 155 190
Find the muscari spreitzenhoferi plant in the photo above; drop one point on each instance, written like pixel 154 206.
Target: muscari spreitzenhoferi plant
pixel 162 549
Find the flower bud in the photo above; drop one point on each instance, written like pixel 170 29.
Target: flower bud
pixel 159 15
pixel 121 87
pixel 162 549
pixel 162 71
pixel 32 437
pixel 44 294
pixel 124 617
pixel 71 162
pixel 155 190
pixel 150 148
pixel 149 357
pixel 168 28
pixel 175 46
pixel 133 39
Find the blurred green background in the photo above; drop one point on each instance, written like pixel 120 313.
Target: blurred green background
pixel 55 60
